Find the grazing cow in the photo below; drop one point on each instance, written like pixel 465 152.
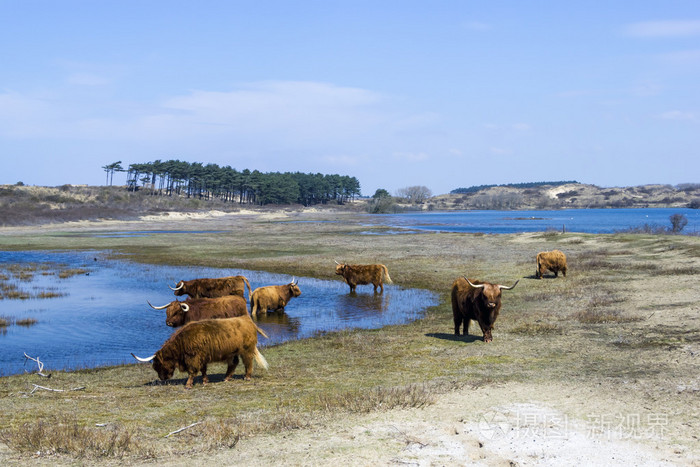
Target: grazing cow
pixel 477 300
pixel 191 348
pixel 273 297
pixel 212 288
pixel 363 274
pixel 554 261
pixel 180 313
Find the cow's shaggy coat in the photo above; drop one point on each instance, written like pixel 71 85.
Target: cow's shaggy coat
pixel 554 261
pixel 272 297
pixel 196 309
pixel 192 347
pixel 212 288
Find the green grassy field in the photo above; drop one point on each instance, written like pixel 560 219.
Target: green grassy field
pixel 624 319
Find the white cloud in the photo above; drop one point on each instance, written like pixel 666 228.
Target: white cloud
pixel 289 111
pixel 411 156
pixel 273 112
pixel 344 160
pixel 664 28
pixel 500 151
pixel 683 57
pixel 678 115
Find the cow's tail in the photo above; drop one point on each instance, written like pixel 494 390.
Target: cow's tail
pixel 262 333
pixel 260 360
pixel 386 275
pixel 248 285
pixel 253 305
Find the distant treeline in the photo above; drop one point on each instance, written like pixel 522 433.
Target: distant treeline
pixel 174 177
pixel 474 189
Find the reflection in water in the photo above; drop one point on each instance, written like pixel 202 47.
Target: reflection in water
pixel 104 315
pixel 354 305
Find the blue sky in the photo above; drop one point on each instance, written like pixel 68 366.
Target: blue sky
pixel 444 94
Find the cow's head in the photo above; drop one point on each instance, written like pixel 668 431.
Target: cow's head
pixel 179 288
pixel 174 313
pixel 489 300
pixel 294 288
pixel 164 368
pixel 340 268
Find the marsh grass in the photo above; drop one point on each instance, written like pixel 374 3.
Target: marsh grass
pixel 27 322
pixel 15 278
pixel 70 272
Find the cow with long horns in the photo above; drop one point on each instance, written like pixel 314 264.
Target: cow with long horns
pixel 363 274
pixel 212 288
pixel 191 348
pixel 180 313
pixel 273 297
pixel 476 300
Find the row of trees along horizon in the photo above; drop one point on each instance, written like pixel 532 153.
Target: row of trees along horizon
pixel 197 180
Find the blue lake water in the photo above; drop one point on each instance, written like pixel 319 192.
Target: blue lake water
pixel 573 220
pixel 103 315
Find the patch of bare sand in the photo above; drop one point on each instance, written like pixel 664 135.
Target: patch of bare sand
pixel 509 424
pixel 170 219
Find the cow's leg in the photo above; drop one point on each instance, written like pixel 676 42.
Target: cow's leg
pixel 248 364
pixel 232 363
pixel 205 378
pixel 190 380
pixel 487 332
pixel 458 322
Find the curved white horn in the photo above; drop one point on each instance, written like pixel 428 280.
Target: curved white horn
pixel 145 360
pixel 157 307
pixel 178 286
pixel 185 307
pixel 336 262
pixel 503 287
pixel 476 286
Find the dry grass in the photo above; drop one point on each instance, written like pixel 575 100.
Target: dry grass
pixel 537 329
pixel 67 436
pixel 379 398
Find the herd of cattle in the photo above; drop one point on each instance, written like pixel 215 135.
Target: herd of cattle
pixel 215 325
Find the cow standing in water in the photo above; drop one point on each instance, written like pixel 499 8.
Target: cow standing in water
pixel 363 274
pixel 212 288
pixel 273 297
